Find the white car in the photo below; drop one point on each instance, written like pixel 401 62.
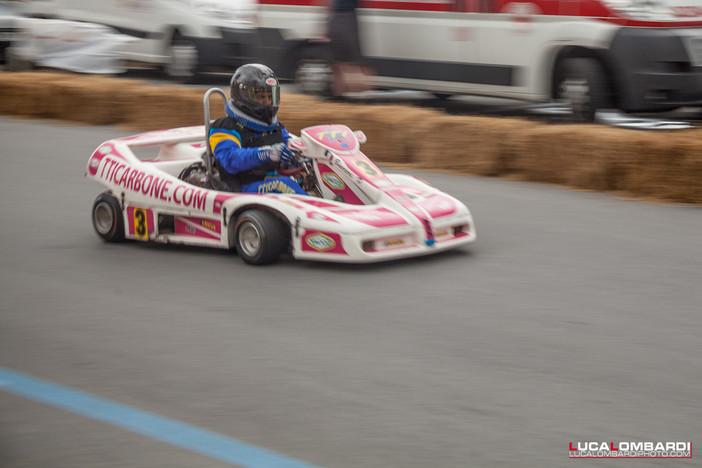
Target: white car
pixel 184 37
pixel 66 45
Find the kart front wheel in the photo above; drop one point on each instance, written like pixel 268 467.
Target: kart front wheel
pixel 107 218
pixel 260 237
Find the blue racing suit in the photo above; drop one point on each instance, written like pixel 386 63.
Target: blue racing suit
pixel 247 153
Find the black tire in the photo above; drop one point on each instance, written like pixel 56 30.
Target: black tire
pixel 313 73
pixel 260 237
pixel 13 61
pixel 184 60
pixel 107 218
pixel 581 82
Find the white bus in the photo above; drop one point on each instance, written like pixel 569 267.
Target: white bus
pixel 632 55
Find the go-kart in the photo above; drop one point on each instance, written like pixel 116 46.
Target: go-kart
pixel 353 211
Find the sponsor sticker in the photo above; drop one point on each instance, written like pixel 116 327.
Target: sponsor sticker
pixel 333 181
pixel 321 242
pixel 207 224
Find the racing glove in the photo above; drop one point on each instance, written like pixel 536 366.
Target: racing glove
pixel 276 153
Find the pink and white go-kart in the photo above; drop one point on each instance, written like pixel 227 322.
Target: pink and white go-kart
pixel 353 213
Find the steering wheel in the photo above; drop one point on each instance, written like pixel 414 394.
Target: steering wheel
pixel 292 168
pixel 296 145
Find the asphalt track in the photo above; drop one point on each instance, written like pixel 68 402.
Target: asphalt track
pixel 575 317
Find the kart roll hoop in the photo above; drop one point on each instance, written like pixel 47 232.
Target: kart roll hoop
pixel 206 105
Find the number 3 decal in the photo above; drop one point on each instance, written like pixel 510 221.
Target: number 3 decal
pixel 141 222
pixel 141 228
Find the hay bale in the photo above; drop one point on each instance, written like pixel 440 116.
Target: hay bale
pixel 662 165
pixel 470 145
pixel 668 169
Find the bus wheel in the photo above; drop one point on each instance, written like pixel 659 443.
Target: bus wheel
pixel 313 75
pixel 582 84
pixel 183 60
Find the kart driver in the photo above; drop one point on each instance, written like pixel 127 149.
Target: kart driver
pixel 249 144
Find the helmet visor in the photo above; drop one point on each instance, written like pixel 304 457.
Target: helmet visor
pixel 263 96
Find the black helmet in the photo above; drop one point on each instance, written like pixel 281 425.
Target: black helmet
pixel 255 91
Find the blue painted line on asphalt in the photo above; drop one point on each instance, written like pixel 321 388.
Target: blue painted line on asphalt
pixel 166 430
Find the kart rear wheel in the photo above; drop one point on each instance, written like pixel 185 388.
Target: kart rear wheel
pixel 107 218
pixel 260 237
